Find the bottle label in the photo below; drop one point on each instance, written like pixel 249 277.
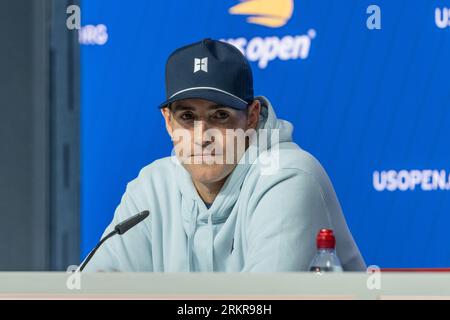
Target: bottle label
pixel 325 269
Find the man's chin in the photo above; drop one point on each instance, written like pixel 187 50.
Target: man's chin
pixel 205 160
pixel 209 173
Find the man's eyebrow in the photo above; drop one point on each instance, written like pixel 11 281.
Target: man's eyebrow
pixel 181 107
pixel 218 106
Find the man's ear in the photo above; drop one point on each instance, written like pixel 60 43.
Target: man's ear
pixel 253 112
pixel 167 118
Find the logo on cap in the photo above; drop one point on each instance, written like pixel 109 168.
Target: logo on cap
pixel 201 64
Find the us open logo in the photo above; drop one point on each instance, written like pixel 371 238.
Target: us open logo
pixel 271 14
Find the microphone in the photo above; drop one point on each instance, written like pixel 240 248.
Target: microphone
pixel 120 228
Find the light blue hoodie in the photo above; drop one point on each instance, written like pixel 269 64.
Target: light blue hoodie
pixel 258 222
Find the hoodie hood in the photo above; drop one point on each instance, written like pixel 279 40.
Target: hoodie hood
pixel 194 211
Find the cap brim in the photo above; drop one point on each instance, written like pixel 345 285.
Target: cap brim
pixel 219 97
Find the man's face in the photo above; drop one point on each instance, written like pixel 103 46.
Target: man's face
pixel 199 129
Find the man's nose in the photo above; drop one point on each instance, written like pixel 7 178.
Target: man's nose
pixel 200 138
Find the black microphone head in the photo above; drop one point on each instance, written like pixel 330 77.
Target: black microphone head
pixel 126 225
pixel 121 228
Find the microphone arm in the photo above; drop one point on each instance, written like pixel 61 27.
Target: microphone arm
pixel 120 229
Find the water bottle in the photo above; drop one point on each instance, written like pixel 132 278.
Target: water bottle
pixel 326 259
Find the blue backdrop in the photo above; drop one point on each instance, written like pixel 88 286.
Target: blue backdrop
pixel 371 105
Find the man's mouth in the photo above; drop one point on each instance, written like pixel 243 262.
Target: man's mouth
pixel 206 155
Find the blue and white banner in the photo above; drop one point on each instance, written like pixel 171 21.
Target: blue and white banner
pixel 366 85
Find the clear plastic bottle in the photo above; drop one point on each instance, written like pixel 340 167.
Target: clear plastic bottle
pixel 326 259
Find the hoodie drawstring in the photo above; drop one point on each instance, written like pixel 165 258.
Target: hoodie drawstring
pixel 190 244
pixel 211 241
pixel 192 227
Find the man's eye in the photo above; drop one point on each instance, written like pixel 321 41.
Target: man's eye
pixel 187 116
pixel 221 115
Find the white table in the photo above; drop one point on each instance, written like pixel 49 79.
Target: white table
pixel 38 285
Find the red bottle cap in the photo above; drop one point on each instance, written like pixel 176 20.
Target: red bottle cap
pixel 325 239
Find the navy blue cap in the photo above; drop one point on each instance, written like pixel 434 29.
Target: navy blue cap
pixel 211 70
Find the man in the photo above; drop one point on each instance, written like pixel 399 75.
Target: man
pixel 226 201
